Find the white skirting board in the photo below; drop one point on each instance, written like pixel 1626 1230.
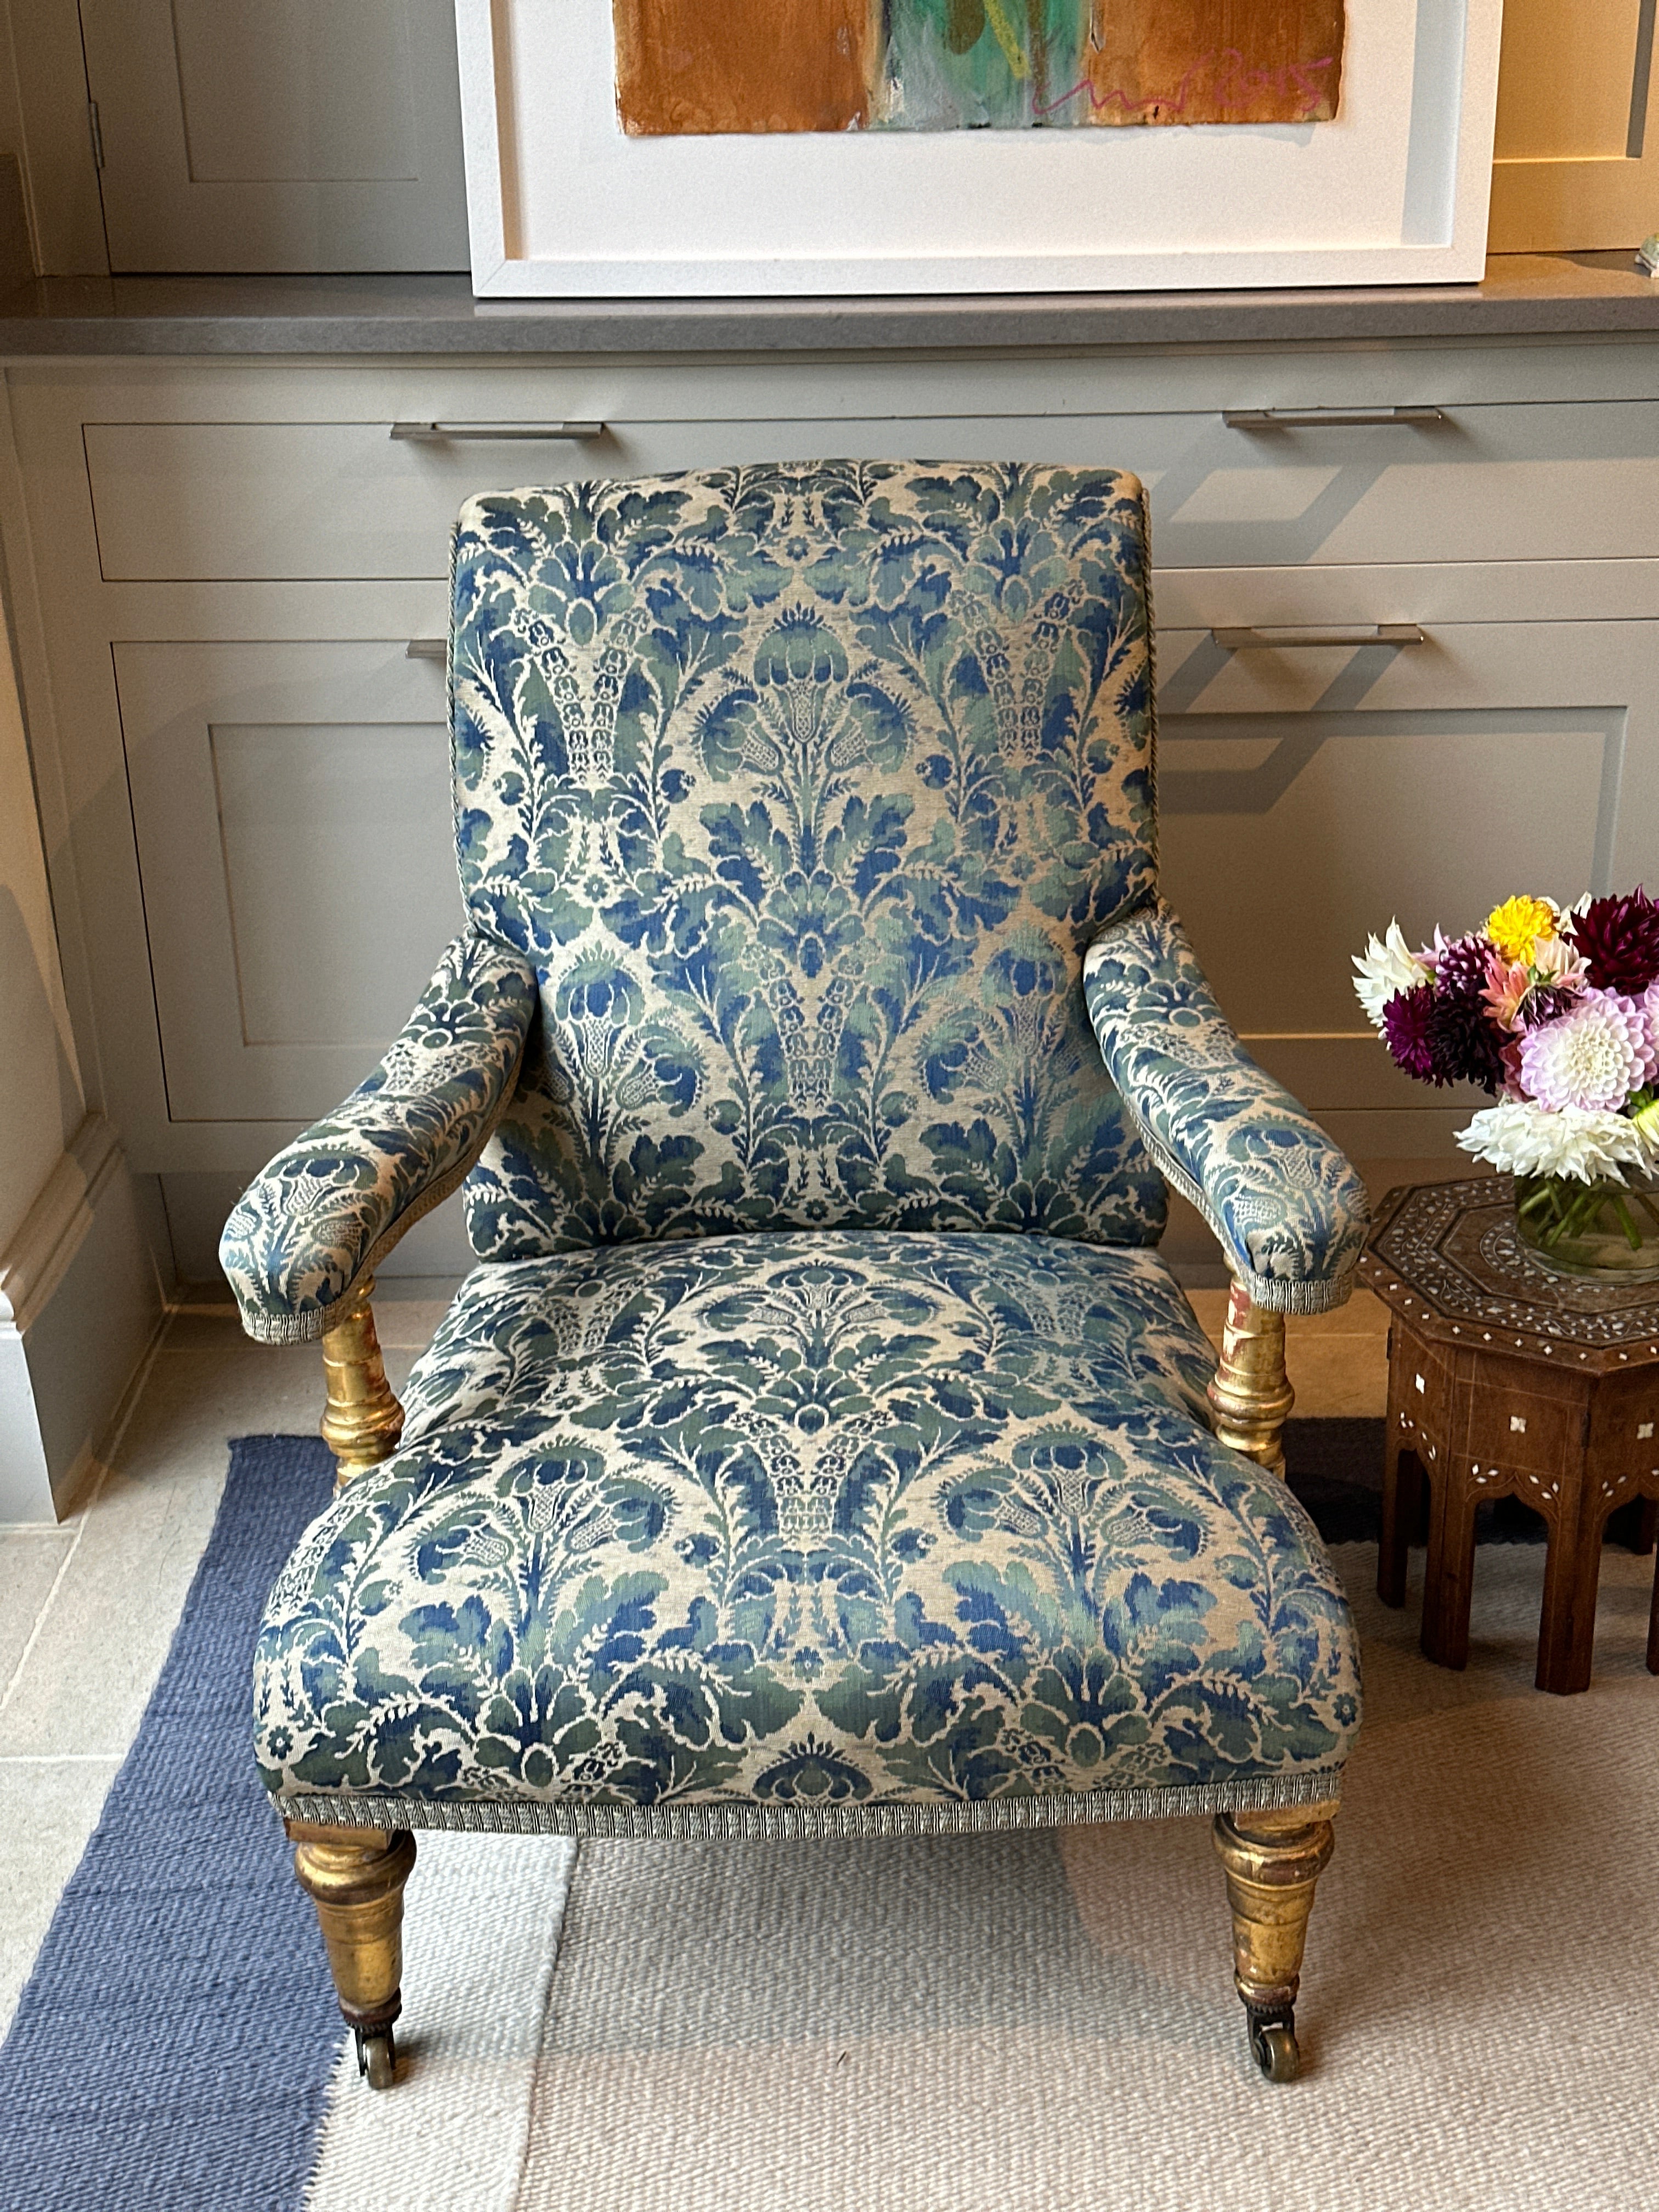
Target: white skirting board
pixel 83 1291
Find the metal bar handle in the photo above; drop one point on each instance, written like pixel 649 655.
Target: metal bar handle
pixel 445 434
pixel 1244 640
pixel 1319 418
pixel 427 648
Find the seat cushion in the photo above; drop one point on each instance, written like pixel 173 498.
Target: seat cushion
pixel 811 1525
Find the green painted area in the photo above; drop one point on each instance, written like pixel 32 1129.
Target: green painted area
pixel 996 64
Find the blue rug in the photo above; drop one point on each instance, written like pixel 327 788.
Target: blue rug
pixel 174 2044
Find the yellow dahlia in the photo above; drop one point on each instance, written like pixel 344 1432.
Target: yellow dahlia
pixel 1516 926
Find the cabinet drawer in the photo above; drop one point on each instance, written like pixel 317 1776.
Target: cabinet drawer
pixel 269 501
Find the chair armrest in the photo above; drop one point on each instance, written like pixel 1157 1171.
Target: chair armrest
pixel 1290 1211
pixel 328 1208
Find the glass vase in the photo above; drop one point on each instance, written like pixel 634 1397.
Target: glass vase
pixel 1605 1231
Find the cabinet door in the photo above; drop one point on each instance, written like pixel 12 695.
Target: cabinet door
pixel 1307 796
pixel 270 135
pixel 293 815
pixel 1576 160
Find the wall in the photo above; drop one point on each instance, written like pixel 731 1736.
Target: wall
pixel 45 128
pixel 84 1258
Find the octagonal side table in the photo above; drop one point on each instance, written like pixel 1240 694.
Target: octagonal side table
pixel 1507 1380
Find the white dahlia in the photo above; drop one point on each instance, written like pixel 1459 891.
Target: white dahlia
pixel 1387 966
pixel 1523 1140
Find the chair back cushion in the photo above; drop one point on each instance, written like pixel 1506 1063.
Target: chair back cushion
pixel 805 789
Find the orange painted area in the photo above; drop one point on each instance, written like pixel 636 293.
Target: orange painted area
pixel 708 66
pixel 1213 61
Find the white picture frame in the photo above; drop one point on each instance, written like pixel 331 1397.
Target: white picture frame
pixel 562 204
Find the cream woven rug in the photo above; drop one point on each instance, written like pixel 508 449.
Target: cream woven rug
pixel 1030 2021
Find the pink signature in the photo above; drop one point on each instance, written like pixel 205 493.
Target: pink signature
pixel 1236 85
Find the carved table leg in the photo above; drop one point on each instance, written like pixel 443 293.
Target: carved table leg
pixel 1449 1575
pixel 1403 1482
pixel 355 1877
pixel 1572 1569
pixel 363 1420
pixel 1653 1628
pixel 1646 1532
pixel 1250 1394
pixel 1272 1862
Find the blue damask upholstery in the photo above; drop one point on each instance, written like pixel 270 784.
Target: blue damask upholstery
pixel 326 1208
pixel 804 790
pixel 821 1442
pixel 807 1527
pixel 1291 1212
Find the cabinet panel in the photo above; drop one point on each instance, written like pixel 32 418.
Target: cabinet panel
pixel 1308 797
pixel 1576 158
pixel 275 501
pixel 293 815
pixel 277 135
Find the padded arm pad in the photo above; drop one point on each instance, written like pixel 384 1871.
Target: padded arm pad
pixel 329 1207
pixel 1291 1212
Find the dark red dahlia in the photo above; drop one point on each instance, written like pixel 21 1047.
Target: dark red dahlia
pixel 1408 1032
pixel 1466 1045
pixel 1442 1033
pixel 1618 937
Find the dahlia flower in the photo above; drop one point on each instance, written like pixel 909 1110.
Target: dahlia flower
pixel 1461 962
pixel 1467 1045
pixel 1649 1005
pixel 1409 1031
pixel 1618 937
pixel 1554 961
pixel 1387 966
pixel 1516 926
pixel 1520 1139
pixel 1523 994
pixel 1591 1058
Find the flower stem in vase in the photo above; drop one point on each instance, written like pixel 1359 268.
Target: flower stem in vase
pixel 1602 1228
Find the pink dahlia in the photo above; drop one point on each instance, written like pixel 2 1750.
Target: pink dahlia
pixel 1648 1007
pixel 1591 1057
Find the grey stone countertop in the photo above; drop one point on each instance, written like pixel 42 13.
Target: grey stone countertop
pixel 1522 296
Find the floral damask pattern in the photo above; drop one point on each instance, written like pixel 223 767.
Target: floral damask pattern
pixel 803 790
pixel 309 1224
pixel 788 802
pixel 1290 1211
pixel 825 1519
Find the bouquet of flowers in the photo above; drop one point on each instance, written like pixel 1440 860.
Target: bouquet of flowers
pixel 1555 1012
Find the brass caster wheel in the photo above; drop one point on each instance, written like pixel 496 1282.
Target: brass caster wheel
pixel 1274 2047
pixel 377 2056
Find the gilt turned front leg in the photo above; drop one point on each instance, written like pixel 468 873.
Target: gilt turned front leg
pixel 1250 1394
pixel 354 1877
pixel 363 1419
pixel 1272 1862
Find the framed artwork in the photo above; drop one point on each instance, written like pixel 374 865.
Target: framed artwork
pixel 730 148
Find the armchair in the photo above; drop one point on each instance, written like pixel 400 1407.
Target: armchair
pixel 820 1445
